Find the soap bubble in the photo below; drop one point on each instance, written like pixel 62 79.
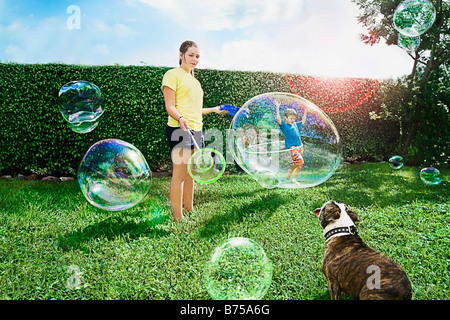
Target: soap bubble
pixel 238 269
pixel 81 104
pixel 206 165
pixel 114 175
pixel 410 44
pixel 257 143
pixel 414 17
pixel 396 162
pixel 430 176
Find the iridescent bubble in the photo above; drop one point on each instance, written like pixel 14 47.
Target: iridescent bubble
pixel 206 165
pixel 414 17
pixel 258 144
pixel 396 162
pixel 114 175
pixel 238 269
pixel 410 44
pixel 81 104
pixel 430 176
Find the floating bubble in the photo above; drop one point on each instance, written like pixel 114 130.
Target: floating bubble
pixel 414 17
pixel 396 162
pixel 206 165
pixel 238 269
pixel 430 176
pixel 81 104
pixel 258 145
pixel 410 44
pixel 114 175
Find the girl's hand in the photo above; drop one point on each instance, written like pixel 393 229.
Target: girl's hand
pixel 183 123
pixel 218 111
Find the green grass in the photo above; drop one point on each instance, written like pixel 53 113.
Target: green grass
pixel 47 229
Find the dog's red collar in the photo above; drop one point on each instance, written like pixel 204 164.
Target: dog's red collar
pixel 349 230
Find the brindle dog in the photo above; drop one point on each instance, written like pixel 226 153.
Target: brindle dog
pixel 352 266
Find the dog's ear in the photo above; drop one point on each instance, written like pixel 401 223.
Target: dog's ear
pixel 353 215
pixel 317 212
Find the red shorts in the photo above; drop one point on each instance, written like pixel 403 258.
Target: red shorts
pixel 297 156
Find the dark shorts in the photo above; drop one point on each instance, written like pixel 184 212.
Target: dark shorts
pixel 178 138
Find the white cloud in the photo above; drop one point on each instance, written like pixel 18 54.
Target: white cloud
pixel 320 39
pixel 225 14
pixel 119 30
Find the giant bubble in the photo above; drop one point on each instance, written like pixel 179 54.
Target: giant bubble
pixel 81 105
pixel 114 175
pixel 259 146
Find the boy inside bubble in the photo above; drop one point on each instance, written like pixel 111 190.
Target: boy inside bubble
pixel 293 141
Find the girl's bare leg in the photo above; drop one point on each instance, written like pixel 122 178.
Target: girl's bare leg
pixel 181 185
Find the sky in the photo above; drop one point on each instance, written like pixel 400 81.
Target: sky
pixel 309 37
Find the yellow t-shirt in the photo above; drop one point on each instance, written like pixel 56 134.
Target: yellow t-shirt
pixel 188 97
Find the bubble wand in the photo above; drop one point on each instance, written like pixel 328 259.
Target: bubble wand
pixel 205 165
pixel 192 138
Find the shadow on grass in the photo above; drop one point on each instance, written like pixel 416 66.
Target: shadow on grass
pixel 259 210
pixel 367 185
pixel 110 229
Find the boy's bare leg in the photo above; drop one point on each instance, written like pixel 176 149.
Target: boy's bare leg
pixel 291 171
pixel 294 175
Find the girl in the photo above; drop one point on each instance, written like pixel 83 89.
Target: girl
pixel 183 98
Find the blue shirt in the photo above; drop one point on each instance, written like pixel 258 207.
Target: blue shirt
pixel 291 134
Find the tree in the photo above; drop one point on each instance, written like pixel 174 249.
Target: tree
pixel 428 90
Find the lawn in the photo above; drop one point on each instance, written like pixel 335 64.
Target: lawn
pixel 55 245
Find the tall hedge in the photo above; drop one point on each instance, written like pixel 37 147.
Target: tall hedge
pixel 34 135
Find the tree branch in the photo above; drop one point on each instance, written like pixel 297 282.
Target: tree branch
pixel 416 59
pixel 443 59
